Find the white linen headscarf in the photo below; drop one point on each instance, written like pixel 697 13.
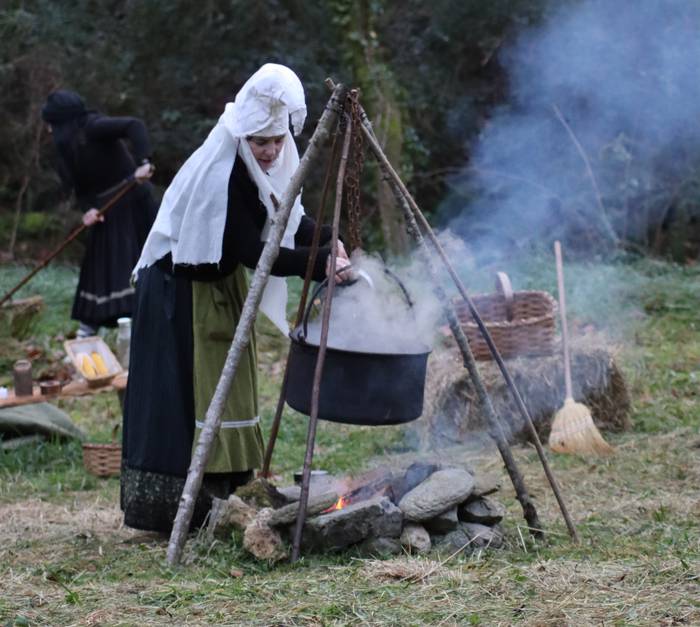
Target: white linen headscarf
pixel 192 215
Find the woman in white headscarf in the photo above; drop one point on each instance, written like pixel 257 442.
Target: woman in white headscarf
pixel 211 226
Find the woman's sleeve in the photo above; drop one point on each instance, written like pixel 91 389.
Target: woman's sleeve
pixel 305 232
pixel 133 129
pixel 245 246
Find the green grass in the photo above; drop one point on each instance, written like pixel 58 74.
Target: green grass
pixel 65 560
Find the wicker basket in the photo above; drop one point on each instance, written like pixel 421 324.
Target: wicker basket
pixel 103 460
pixel 520 323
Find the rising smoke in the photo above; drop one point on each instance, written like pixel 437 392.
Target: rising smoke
pixel 599 133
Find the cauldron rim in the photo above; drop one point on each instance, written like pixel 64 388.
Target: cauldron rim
pixel 294 336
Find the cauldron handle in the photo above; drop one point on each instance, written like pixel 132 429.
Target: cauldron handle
pixel 406 295
pixel 301 336
pixel 305 322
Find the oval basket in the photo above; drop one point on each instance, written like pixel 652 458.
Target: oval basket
pixel 522 327
pixel 103 460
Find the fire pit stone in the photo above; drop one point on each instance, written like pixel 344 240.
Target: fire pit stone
pixel 482 510
pixel 362 512
pixel 341 528
pixel 443 523
pixel 379 547
pixel 415 538
pixel 439 492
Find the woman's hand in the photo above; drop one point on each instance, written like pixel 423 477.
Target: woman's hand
pixel 92 216
pixel 144 172
pixel 340 262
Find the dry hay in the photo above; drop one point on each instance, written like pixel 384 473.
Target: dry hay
pixel 411 569
pixel 452 413
pixel 33 518
pixel 17 317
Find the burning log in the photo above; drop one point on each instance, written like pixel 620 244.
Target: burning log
pixel 317 503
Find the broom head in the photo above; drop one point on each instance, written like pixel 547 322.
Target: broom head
pixel 573 431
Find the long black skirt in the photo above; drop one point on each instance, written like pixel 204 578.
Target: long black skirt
pixel 159 420
pixel 159 402
pixel 104 291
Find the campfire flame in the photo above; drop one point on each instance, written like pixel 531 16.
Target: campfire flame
pixel 342 502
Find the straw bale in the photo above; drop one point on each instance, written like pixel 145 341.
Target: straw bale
pixel 452 413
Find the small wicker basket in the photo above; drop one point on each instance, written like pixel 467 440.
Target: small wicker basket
pixel 103 460
pixel 520 323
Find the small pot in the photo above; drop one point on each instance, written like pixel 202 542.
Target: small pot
pixel 49 388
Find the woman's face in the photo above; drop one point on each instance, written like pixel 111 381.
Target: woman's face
pixel 266 149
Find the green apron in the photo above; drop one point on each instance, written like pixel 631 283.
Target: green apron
pixel 216 310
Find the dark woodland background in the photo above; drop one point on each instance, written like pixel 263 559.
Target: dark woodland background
pixel 432 77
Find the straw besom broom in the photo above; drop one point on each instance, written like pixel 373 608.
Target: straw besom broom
pixel 573 430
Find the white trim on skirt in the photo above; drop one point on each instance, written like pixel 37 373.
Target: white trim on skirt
pixel 233 424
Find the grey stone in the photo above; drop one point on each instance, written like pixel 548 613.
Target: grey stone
pixel 415 538
pixel 390 522
pixel 352 524
pixel 484 510
pixel 414 475
pixel 452 542
pixel 485 485
pixel 379 547
pixel 482 536
pixel 443 523
pixel 439 492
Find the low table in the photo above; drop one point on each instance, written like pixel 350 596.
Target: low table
pixel 70 390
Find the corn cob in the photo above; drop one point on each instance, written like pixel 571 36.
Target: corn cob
pixel 86 366
pixel 100 366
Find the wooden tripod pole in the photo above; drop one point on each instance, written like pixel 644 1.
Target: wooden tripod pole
pixel 241 336
pixel 420 218
pixel 495 428
pixel 321 356
pixel 274 429
pixel 127 185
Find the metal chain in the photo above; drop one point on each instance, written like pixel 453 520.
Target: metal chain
pixel 353 173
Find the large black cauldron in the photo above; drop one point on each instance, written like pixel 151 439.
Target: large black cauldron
pixel 356 387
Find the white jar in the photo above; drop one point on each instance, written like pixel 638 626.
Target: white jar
pixel 123 341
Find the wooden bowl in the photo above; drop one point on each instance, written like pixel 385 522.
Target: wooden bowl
pixel 49 388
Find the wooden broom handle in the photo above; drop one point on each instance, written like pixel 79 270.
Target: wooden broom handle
pixel 564 328
pixel 128 183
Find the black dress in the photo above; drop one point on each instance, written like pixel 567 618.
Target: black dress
pixel 98 162
pixel 159 416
